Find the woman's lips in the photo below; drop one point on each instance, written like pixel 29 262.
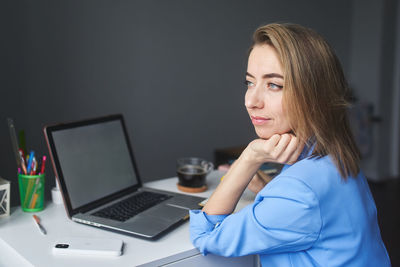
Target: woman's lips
pixel 259 120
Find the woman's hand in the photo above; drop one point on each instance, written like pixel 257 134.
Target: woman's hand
pixel 284 149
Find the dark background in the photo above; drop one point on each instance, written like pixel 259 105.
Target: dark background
pixel 175 70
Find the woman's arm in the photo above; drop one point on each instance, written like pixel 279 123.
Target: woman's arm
pixel 284 148
pixel 284 218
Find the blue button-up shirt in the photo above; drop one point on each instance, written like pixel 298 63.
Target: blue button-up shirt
pixel 306 216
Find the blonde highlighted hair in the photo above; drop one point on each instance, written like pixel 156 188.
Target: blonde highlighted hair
pixel 315 93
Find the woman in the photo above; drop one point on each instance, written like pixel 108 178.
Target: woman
pixel 319 210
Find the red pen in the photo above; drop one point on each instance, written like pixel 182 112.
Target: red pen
pixel 43 164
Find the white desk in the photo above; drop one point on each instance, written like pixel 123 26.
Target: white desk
pixel 22 244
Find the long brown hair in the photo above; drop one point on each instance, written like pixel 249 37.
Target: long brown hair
pixel 315 93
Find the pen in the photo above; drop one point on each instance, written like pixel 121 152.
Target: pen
pixel 29 165
pixel 37 220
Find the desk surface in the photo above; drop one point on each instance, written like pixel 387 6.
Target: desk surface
pixel 21 243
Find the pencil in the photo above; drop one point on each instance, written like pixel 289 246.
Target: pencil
pixel 41 228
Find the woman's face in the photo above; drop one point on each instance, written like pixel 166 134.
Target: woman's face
pixel 263 100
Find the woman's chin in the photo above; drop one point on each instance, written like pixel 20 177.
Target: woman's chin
pixel 264 134
pixel 267 134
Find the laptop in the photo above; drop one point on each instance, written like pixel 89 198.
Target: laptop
pixel 100 182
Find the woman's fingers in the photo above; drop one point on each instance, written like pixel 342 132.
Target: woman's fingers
pixel 297 152
pixel 272 142
pixel 286 150
pixel 294 150
pixel 281 148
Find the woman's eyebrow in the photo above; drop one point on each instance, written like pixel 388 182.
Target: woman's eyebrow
pixel 268 75
pixel 248 74
pixel 272 75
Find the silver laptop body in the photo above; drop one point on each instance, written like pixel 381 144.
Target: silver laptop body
pixel 95 168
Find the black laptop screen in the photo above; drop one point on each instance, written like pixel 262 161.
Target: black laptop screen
pixel 95 161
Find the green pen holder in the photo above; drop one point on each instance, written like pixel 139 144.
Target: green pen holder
pixel 31 190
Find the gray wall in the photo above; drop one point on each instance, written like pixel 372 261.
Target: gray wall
pixel 395 160
pixel 174 68
pixel 374 45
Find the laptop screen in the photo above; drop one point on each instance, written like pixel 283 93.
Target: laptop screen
pixel 95 161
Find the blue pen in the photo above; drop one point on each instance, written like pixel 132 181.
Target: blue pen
pixel 31 155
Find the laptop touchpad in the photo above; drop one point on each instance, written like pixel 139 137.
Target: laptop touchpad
pixel 155 219
pixel 167 212
pixel 160 214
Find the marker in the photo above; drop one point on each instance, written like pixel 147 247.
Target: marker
pixel 29 165
pixel 41 228
pixel 43 164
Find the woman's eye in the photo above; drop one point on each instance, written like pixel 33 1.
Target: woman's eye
pixel 248 83
pixel 274 86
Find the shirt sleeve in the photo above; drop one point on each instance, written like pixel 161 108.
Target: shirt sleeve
pixel 284 217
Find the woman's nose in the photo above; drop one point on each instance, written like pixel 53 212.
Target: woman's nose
pixel 254 98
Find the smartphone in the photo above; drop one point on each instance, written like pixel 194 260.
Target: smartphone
pixel 88 246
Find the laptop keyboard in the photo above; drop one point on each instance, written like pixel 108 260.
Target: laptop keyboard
pixel 131 206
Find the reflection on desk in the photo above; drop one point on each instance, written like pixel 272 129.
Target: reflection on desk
pixel 21 243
